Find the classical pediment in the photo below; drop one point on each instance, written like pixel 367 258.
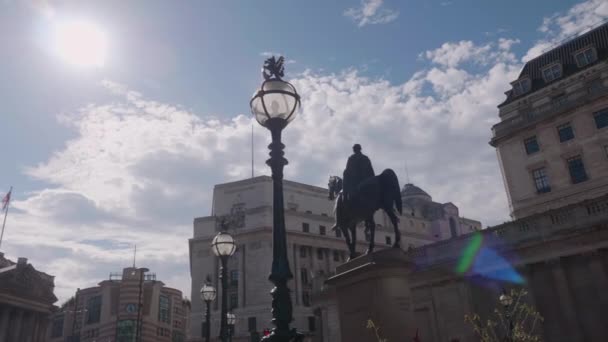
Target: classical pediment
pixel 25 282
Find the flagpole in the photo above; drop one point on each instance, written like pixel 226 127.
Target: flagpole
pixel 5 214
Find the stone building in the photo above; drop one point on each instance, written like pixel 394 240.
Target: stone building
pixel 111 311
pixel 552 140
pixel 552 145
pixel 26 301
pixel 314 250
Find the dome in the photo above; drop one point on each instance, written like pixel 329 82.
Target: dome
pixel 411 191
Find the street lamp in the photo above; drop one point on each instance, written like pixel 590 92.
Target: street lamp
pixel 223 246
pixel 506 302
pixel 208 294
pixel 274 105
pixel 231 318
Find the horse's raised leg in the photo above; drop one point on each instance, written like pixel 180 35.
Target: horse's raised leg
pixel 395 222
pixel 370 225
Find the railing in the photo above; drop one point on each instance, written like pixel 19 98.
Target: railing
pixel 558 105
pixel 508 235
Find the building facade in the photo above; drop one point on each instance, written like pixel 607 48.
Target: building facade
pixel 552 140
pixel 26 301
pixel 128 304
pixel 314 250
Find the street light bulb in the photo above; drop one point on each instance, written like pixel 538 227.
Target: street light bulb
pixel 274 107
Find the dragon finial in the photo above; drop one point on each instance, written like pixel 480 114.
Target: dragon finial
pixel 273 68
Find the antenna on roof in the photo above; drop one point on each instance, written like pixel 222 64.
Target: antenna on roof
pixel 134 255
pixel 407 174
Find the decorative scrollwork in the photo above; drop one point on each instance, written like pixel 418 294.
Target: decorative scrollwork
pixel 273 68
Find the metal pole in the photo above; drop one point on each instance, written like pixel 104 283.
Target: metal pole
pixel 8 204
pixel 139 305
pixel 207 323
pixel 280 273
pixel 223 319
pixel 74 313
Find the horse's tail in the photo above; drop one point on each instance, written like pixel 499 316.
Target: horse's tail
pixel 392 183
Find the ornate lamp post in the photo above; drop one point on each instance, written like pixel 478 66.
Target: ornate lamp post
pixel 208 294
pixel 274 105
pixel 223 246
pixel 231 318
pixel 506 302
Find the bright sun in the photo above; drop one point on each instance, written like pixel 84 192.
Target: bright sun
pixel 80 43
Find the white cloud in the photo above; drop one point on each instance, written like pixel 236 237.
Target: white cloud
pixel 371 12
pixel 453 54
pixel 138 170
pixel 560 26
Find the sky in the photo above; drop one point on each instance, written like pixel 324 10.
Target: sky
pixel 120 141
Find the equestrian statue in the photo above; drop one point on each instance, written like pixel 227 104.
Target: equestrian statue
pixel 359 196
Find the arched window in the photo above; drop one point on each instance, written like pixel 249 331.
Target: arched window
pixel 453 227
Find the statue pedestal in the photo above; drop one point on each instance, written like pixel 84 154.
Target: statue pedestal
pixel 375 287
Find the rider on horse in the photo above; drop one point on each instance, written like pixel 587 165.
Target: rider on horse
pixel 358 169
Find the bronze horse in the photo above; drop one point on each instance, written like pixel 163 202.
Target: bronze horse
pixel 378 192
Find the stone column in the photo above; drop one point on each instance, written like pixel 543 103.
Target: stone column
pixel 375 287
pixel 565 301
pixel 17 327
pixel 35 326
pixel 5 314
pixel 42 328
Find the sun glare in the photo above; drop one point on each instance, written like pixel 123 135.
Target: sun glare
pixel 80 43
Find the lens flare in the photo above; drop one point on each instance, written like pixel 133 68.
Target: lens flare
pixel 476 259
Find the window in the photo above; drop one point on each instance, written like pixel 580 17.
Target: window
pixel 338 233
pixel 521 86
pixel 320 254
pixel 387 239
pixel 93 310
pixel 565 132
pixel 308 212
pixel 305 298
pixel 178 336
pixel 552 72
pixel 311 323
pixel 305 227
pixel 601 118
pixel 177 324
pixel 577 170
pixel 304 276
pixel 322 230
pixel 163 309
pixel 541 181
pixel 233 301
pixel 252 324
pixel 303 251
pixel 234 277
pixel 166 332
pixel 531 145
pixel 585 57
pixel 57 328
pixel 125 330
pixel 336 256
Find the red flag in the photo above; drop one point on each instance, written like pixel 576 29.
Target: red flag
pixel 6 200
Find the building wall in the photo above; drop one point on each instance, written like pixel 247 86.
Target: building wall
pixel 311 253
pixel 119 302
pixel 583 98
pixel 26 301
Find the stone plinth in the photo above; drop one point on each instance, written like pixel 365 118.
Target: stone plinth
pixel 375 287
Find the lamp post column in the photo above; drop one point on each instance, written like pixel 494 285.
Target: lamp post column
pixel 223 321
pixel 207 323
